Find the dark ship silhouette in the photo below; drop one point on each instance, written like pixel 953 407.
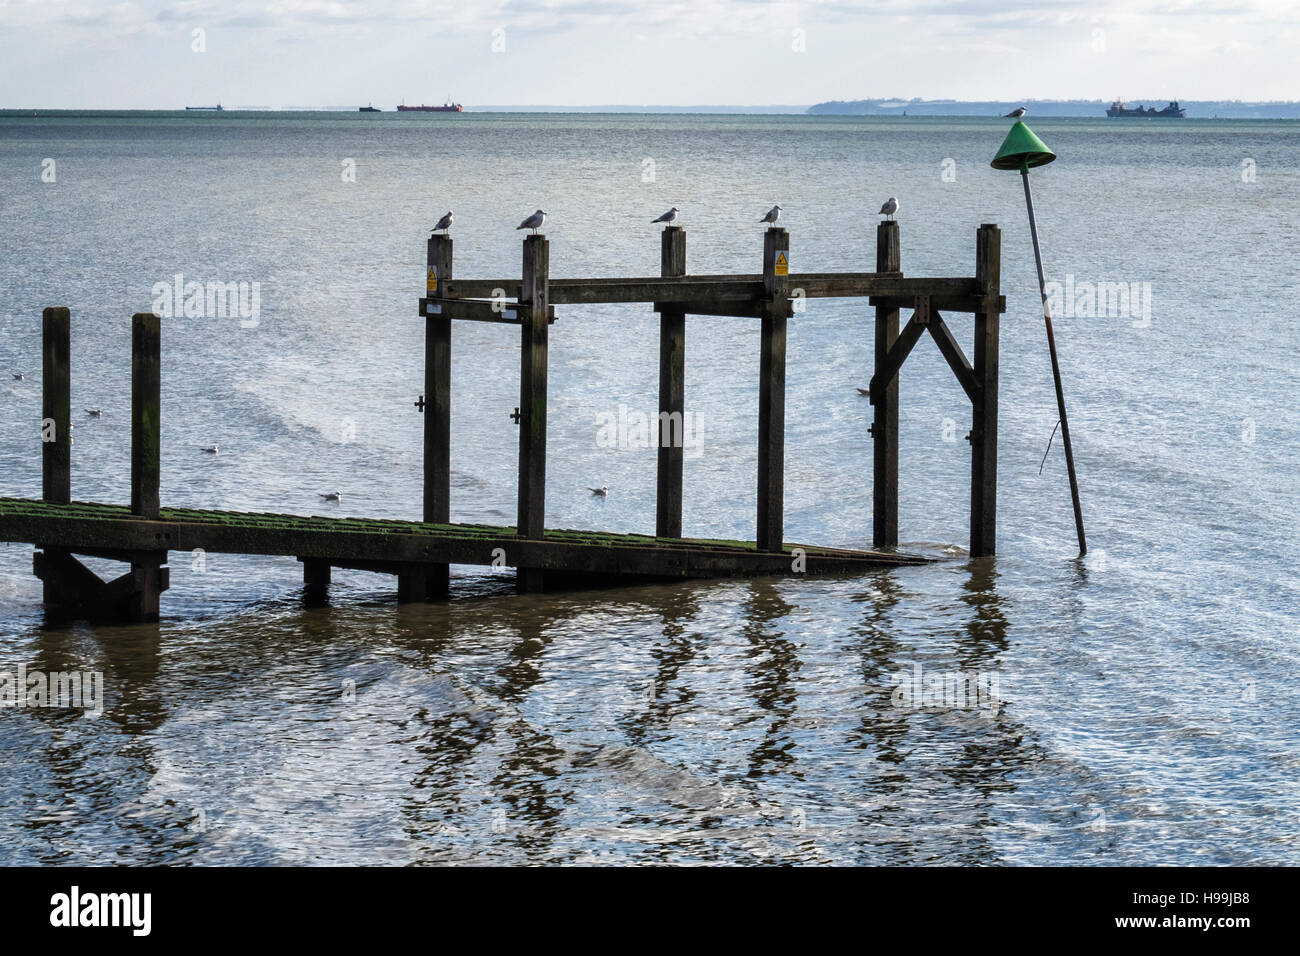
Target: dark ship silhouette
pixel 1172 111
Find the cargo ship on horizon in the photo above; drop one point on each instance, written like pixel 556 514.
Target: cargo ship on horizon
pixel 1172 111
pixel 448 107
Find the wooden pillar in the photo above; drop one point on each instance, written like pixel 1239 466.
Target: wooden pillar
pixel 771 390
pixel 437 411
pixel 56 406
pixel 413 584
pixel 146 402
pixel 315 578
pixel 56 436
pixel 884 428
pixel 534 332
pixel 145 405
pixel 984 418
pixel 672 393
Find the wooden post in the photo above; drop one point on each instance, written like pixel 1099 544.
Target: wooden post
pixel 315 578
pixel 984 417
pixel 672 392
pixel 532 400
pixel 771 390
pixel 146 402
pixel 56 437
pixel 437 411
pixel 56 406
pixel 884 429
pixel 145 406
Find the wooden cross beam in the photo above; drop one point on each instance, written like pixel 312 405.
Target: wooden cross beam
pixel 477 310
pixel 898 353
pixel 957 360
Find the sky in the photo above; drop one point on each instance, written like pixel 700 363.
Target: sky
pixel 139 54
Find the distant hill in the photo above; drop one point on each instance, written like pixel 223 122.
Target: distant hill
pixel 1196 109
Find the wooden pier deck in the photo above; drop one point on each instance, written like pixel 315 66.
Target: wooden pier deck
pixel 419 553
pixel 393 546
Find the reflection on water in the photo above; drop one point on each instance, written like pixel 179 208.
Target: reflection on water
pixel 622 725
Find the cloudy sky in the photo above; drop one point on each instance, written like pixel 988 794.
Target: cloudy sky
pixel 280 53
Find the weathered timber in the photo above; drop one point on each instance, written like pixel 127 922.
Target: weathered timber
pixel 955 357
pixel 884 399
pixel 984 406
pixel 146 403
pixel 533 360
pixel 437 411
pixel 479 310
pixel 719 289
pixel 887 371
pixel 771 389
pixel 418 553
pixel 147 578
pixel 391 545
pixel 316 575
pixel 56 406
pixel 672 393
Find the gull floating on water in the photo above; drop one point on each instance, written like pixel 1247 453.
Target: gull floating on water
pixel 601 492
pixel 210 449
pixel 890 207
pixel 773 214
pixel 333 496
pixel 19 376
pixel 669 217
pixel 864 391
pixel 95 412
pixel 533 222
pixel 1016 113
pixel 445 222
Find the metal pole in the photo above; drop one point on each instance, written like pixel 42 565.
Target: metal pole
pixel 1056 368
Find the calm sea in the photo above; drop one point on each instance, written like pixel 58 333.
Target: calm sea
pixel 1138 706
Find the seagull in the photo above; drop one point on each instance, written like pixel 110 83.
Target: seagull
pixel 890 207
pixel 445 222
pixel 333 496
pixel 210 449
pixel 669 217
pixel 864 391
pixel 19 376
pixel 773 214
pixel 95 412
pixel 533 222
pixel 601 492
pixel 1016 113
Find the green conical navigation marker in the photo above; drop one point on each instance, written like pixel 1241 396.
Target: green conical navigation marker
pixel 1023 150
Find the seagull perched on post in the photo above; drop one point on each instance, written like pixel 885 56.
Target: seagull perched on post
pixel 1016 113
pixel 890 207
pixel 669 217
pixel 601 492
pixel 773 215
pixel 445 223
pixel 533 222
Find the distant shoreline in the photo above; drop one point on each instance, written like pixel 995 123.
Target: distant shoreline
pixel 935 109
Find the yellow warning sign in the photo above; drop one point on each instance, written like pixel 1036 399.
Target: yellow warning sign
pixel 782 266
pixel 431 284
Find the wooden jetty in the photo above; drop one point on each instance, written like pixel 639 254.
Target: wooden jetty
pixel 419 553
